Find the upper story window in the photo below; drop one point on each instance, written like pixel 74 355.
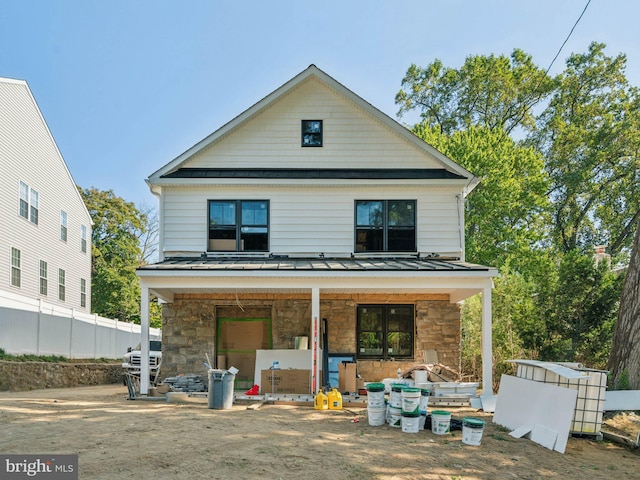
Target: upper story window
pixel 63 225
pixel 385 331
pixel 28 203
pixel 61 285
pixel 311 133
pixel 239 225
pixel 385 226
pixel 83 292
pixel 16 269
pixel 83 238
pixel 43 278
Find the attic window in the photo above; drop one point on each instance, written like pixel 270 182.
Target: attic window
pixel 311 133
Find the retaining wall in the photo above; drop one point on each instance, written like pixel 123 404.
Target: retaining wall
pixel 20 376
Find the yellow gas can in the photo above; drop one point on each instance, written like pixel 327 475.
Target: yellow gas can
pixel 335 400
pixel 321 401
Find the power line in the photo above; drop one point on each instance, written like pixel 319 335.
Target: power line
pixel 568 36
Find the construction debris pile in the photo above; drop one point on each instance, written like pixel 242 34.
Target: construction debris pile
pixel 187 383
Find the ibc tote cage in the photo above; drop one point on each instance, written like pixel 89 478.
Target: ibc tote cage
pixel 591 386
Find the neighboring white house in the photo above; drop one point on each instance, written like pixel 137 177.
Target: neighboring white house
pixel 313 204
pixel 45 245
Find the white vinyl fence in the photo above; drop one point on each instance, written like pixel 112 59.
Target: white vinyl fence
pixel 29 326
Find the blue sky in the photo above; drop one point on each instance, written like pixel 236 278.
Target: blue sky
pixel 126 86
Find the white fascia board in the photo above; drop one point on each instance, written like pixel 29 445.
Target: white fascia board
pixel 304 280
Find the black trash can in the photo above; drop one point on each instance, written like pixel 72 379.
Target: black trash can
pixel 221 389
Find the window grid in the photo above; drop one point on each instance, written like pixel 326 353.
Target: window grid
pixel 83 239
pixel 29 203
pixel 385 225
pixel 83 292
pixel 61 285
pixel 43 278
pixel 16 271
pixel 63 225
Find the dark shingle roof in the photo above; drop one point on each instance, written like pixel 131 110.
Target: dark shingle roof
pixel 316 173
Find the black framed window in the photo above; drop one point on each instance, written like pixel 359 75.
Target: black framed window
pixel 311 133
pixel 385 331
pixel 385 226
pixel 238 225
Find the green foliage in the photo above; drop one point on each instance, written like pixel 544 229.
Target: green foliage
pixel 116 252
pixel 506 214
pixel 590 137
pixel 558 161
pixel 578 309
pixel 496 92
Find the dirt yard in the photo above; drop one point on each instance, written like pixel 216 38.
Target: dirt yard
pixel 116 438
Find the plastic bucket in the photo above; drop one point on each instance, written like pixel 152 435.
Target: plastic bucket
pixel 423 419
pixel 440 422
pixel 424 398
pixel 377 416
pixel 395 417
pixel 411 400
pixel 410 422
pixel 472 429
pixel 375 395
pixel 420 376
pixel 395 398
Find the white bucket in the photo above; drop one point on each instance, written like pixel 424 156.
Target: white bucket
pixel 375 395
pixel 440 422
pixel 472 429
pixel 395 417
pixel 395 397
pixel 411 400
pixel 377 416
pixel 410 423
pixel 424 399
pixel 420 376
pixel 423 420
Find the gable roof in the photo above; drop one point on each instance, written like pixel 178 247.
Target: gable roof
pixel 15 103
pixel 176 164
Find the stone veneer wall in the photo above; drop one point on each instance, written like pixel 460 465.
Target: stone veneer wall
pixel 21 376
pixel 189 327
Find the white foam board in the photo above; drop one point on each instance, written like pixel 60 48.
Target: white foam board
pixel 488 402
pixel 621 400
pixel 525 402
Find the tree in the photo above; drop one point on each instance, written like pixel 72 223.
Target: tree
pixel 624 362
pixel 590 137
pixel 118 227
pixel 506 213
pixel 496 92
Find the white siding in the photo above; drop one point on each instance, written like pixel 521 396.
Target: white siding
pixel 310 219
pixel 28 153
pixel 352 138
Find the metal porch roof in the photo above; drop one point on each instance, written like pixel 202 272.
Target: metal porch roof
pixel 329 264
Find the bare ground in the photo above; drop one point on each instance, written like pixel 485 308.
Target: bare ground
pixel 120 439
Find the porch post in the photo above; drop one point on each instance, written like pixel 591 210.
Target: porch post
pixel 144 339
pixel 315 339
pixel 487 351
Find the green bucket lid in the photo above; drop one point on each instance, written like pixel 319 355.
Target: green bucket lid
pixel 375 387
pixel 440 412
pixel 410 414
pixel 397 387
pixel 425 392
pixel 411 390
pixel 473 422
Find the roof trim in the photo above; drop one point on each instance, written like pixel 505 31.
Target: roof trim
pixel 316 173
pixel 313 71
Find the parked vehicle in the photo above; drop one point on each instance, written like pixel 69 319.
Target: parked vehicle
pixel 132 360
